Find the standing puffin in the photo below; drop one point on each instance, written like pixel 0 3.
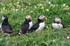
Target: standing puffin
pixel 57 23
pixel 26 25
pixel 39 25
pixel 6 27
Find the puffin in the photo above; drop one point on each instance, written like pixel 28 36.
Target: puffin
pixel 6 27
pixel 39 25
pixel 57 24
pixel 26 25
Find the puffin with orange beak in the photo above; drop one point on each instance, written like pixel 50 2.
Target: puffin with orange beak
pixel 39 25
pixel 57 23
pixel 26 25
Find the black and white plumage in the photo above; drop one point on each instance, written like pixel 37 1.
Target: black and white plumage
pixel 57 23
pixel 39 25
pixel 6 27
pixel 26 25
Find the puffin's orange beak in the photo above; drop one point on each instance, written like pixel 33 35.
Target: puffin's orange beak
pixel 30 17
pixel 45 17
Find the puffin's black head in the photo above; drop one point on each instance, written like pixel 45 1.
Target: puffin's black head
pixel 41 18
pixel 57 20
pixel 28 18
pixel 5 18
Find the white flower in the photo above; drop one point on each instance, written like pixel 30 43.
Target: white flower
pixel 52 5
pixel 35 6
pixel 68 13
pixel 29 3
pixel 10 3
pixel 6 37
pixel 31 11
pixel 13 9
pixel 18 2
pixel 0 39
pixel 47 9
pixel 20 23
pixel 14 3
pixel 67 6
pixel 22 9
pixel 47 27
pixel 64 5
pixel 49 2
pixel 3 8
pixel 39 4
pixel 16 10
pixel 42 7
pixel 1 3
pixel 68 37
pixel 54 40
pixel 19 6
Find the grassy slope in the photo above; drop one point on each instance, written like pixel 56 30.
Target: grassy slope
pixel 46 37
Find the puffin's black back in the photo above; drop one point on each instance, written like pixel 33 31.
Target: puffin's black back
pixel 6 27
pixel 25 26
pixel 34 27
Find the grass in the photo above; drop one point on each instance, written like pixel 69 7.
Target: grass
pixel 17 10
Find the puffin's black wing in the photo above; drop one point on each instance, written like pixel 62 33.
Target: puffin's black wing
pixel 24 28
pixel 34 27
pixel 7 28
pixel 63 25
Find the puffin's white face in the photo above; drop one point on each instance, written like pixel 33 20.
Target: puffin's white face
pixel 57 20
pixel 28 17
pixel 3 17
pixel 42 17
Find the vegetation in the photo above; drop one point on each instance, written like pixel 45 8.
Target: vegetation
pixel 16 10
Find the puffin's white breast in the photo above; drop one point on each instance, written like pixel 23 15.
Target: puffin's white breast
pixel 0 26
pixel 30 24
pixel 41 26
pixel 57 26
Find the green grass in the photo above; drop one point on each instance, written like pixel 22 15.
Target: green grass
pixel 16 12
